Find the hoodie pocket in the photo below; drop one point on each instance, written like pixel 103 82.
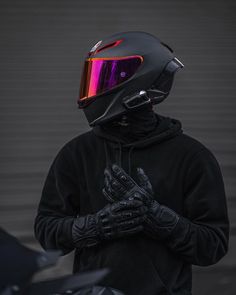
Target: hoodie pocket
pixel 160 286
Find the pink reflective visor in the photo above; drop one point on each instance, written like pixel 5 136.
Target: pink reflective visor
pixel 102 74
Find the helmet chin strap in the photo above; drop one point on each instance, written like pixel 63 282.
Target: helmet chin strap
pixel 123 121
pixel 137 121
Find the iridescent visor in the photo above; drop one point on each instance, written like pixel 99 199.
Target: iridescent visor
pixel 102 74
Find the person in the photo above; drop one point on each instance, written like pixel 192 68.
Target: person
pixel 135 193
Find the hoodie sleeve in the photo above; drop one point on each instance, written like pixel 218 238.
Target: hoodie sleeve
pixel 201 235
pixel 58 205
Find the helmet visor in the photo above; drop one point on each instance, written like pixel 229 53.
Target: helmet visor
pixel 102 74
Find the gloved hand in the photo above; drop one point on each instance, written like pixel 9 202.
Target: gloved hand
pixel 118 185
pixel 115 220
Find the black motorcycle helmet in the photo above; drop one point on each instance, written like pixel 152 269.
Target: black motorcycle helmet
pixel 123 72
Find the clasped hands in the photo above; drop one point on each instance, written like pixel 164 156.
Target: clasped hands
pixel 159 220
pixel 132 209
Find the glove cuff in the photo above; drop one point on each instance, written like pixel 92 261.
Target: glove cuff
pixel 84 231
pixel 163 219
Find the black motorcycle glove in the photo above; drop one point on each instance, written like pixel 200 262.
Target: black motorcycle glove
pixel 160 220
pixel 115 220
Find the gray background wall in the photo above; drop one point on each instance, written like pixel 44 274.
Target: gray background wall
pixel 42 46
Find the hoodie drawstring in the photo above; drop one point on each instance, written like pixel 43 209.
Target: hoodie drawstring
pixel 129 159
pixel 108 160
pixel 106 153
pixel 120 153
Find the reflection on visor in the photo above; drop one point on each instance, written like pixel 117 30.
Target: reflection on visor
pixel 102 74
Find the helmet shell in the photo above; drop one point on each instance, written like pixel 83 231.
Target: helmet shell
pixel 156 56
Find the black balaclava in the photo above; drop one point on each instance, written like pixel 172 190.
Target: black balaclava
pixel 133 125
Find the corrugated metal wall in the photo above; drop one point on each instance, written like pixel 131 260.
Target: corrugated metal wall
pixel 42 45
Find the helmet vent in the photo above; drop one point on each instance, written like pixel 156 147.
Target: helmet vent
pixel 113 44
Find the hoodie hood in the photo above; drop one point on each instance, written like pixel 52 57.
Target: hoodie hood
pixel 165 128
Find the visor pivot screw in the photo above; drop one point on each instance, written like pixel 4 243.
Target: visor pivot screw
pixel 142 92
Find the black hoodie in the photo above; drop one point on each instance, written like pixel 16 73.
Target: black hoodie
pixel 185 177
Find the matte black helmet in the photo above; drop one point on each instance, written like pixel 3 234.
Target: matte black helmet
pixel 123 72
